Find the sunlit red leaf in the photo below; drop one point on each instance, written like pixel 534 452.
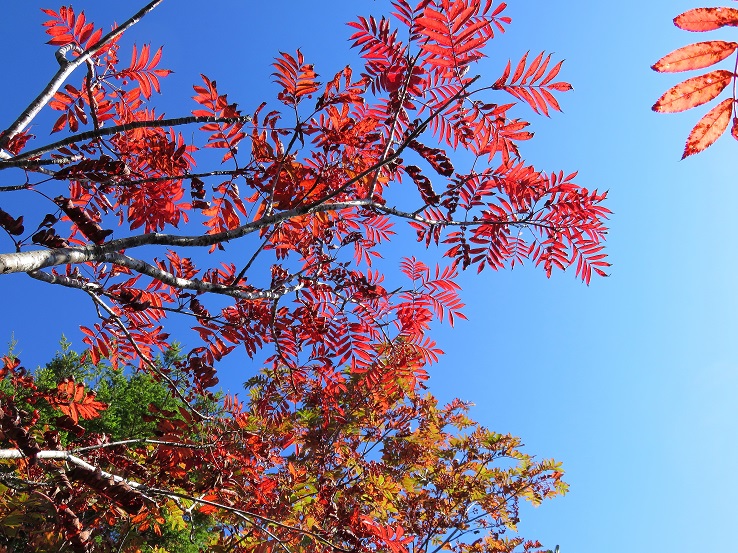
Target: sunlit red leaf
pixel 64 28
pixel 707 19
pixel 709 128
pixel 145 72
pixel 520 68
pixel 695 56
pixel 693 92
pixel 297 78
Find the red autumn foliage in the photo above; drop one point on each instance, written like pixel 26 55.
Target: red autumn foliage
pixel 339 447
pixel 702 89
pixel 70 398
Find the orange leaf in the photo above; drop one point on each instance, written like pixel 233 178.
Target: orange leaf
pixel 707 19
pixel 695 56
pixel 70 399
pixel 709 128
pixel 693 92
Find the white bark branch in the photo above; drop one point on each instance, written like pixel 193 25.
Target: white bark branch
pixel 66 69
pixel 24 262
pixel 149 491
pixel 198 285
pixel 69 457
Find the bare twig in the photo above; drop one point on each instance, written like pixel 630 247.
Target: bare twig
pixel 142 441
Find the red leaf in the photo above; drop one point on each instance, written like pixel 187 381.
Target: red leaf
pixel 296 77
pixel 709 128
pixel 11 225
pixel 65 28
pixel 695 56
pixel 552 74
pixel 70 399
pixel 707 19
pixel 209 509
pixel 693 92
pixel 560 86
pixel 520 68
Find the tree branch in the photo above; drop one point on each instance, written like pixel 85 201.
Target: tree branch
pixel 26 262
pixel 68 456
pixel 141 441
pixel 18 161
pixel 197 284
pixel 66 69
pixel 23 262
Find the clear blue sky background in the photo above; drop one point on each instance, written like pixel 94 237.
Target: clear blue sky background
pixel 631 382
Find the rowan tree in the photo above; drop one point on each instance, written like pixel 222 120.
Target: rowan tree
pixel 337 445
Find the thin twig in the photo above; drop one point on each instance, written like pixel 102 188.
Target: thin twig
pixel 107 131
pixel 142 441
pixel 149 363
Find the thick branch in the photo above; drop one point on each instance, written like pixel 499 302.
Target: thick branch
pixel 23 262
pixel 67 281
pixel 64 456
pixel 66 69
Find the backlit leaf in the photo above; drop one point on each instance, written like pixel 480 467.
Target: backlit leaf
pixel 707 19
pixel 709 128
pixel 693 92
pixel 695 56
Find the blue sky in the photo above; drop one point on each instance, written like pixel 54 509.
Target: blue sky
pixel 631 382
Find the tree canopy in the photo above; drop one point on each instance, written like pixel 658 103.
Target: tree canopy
pixel 337 444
